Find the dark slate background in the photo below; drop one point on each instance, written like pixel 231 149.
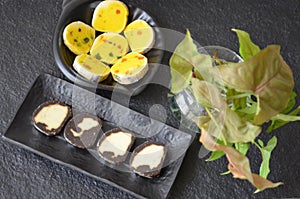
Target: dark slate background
pixel 26 33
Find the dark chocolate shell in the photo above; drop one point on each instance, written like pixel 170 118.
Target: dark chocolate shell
pixel 115 144
pixel 50 117
pixel 83 130
pixel 148 158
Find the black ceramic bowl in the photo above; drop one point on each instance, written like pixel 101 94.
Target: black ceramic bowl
pixel 82 10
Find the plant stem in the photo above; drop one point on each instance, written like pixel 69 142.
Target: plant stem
pixel 238 96
pixel 216 123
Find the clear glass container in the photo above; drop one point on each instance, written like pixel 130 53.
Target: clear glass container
pixel 184 105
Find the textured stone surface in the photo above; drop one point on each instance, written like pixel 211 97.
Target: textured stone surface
pixel 27 28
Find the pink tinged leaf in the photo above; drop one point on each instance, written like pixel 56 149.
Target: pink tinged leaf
pixel 240 168
pixel 238 163
pixel 208 142
pixel 266 75
pixel 226 124
pixel 207 94
pixel 261 183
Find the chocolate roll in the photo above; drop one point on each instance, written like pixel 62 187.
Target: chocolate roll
pixel 148 158
pixel 83 130
pixel 115 144
pixel 50 117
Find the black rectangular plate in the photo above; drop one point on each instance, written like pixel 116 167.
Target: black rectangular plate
pixel 23 133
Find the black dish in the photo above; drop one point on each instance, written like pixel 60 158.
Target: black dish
pixel 83 11
pixel 23 133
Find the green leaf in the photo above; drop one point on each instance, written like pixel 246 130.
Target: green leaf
pixel 181 77
pixel 266 76
pixel 181 63
pixel 248 113
pixel 215 155
pixel 225 173
pixel 237 99
pixel 291 103
pixel 281 119
pixel 260 142
pixel 266 155
pixel 247 48
pixel 242 147
pixel 201 63
pixel 271 144
pixel 184 59
pixel 288 118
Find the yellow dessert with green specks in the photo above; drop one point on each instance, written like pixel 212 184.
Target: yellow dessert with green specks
pixel 140 36
pixel 79 37
pixel 110 16
pixel 91 68
pixel 109 47
pixel 130 68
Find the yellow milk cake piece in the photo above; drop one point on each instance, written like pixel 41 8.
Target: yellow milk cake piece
pixel 109 47
pixel 110 16
pixel 140 36
pixel 79 37
pixel 91 68
pixel 130 68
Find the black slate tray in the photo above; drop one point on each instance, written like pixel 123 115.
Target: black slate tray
pixel 82 10
pixel 23 133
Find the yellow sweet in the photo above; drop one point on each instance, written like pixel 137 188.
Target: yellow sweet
pixel 140 36
pixel 129 69
pixel 91 68
pixel 109 47
pixel 78 37
pixel 110 16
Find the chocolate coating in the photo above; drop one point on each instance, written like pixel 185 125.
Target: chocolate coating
pixel 79 134
pixel 145 170
pixel 42 127
pixel 110 156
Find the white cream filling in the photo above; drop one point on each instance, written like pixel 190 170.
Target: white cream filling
pixel 117 143
pixel 85 125
pixel 151 155
pixel 52 116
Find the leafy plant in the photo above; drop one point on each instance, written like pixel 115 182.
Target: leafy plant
pixel 238 98
pixel 266 155
pixel 184 61
pixel 247 48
